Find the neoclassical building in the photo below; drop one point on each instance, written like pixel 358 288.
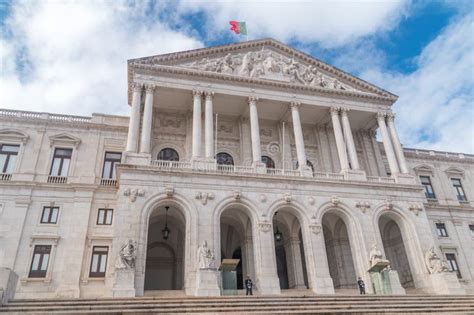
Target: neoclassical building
pixel 253 151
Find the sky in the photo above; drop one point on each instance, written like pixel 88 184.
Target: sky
pixel 69 57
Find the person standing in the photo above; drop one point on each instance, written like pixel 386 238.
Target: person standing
pixel 361 285
pixel 248 286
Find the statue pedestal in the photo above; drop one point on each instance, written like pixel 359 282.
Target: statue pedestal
pixel 207 282
pixel 395 284
pixel 446 283
pixel 124 284
pixel 380 277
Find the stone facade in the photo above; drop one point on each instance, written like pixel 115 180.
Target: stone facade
pixel 191 164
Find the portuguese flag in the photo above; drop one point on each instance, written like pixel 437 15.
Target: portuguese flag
pixel 238 27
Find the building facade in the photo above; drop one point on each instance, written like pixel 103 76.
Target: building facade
pixel 252 151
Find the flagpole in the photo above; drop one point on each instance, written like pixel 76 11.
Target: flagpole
pixel 283 147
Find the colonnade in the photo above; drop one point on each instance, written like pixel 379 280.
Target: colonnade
pixel 346 149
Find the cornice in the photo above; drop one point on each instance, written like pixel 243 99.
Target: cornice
pixel 255 81
pixel 202 52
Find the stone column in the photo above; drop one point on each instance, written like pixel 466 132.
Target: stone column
pixel 349 139
pixel 255 131
pixel 396 143
pixel 266 275
pixel 341 148
pixel 245 141
pixel 299 139
pixel 387 144
pixel 147 120
pixel 209 125
pixel 134 123
pixel 297 262
pixel 196 124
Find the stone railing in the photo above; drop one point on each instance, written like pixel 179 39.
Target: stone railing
pixel 109 182
pixel 9 113
pixel 249 170
pixel 57 179
pixel 4 177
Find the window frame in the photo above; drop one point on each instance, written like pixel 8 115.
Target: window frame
pixel 112 171
pixel 40 273
pixel 428 195
pixel 453 267
pixel 171 160
pixel 441 229
pixel 98 274
pixel 50 215
pixel 459 188
pixel 106 211
pixel 9 154
pixel 269 159
pixel 61 162
pixel 228 157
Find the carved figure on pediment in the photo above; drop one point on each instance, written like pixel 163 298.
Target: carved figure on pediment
pixel 310 76
pixel 127 255
pixel 322 81
pixel 270 65
pixel 292 70
pixel 226 65
pixel 434 263
pixel 247 64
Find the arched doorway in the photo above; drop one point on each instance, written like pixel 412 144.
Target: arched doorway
pixel 339 253
pixel 395 251
pixel 164 269
pixel 236 241
pixel 289 251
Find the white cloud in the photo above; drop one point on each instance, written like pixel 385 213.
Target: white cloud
pixel 436 105
pixel 330 23
pixel 74 54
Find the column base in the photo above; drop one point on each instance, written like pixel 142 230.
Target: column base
pixel 406 179
pixel 207 283
pixel 267 285
pixel 356 175
pixel 306 171
pixel 124 284
pixel 323 285
pixel 259 167
pixel 203 164
pixel 395 283
pixel 137 158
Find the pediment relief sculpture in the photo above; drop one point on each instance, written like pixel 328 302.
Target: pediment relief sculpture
pixel 268 65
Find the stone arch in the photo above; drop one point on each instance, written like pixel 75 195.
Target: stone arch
pixel 409 236
pixel 189 212
pixel 163 145
pixel 231 152
pixel 355 234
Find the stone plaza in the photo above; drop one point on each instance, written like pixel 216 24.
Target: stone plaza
pixel 252 151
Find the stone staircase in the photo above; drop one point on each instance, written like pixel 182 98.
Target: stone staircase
pixel 328 304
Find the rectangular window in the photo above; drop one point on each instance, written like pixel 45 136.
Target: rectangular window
pixel 426 182
pixel 459 190
pixel 61 161
pixel 441 229
pixel 453 264
pixel 99 261
pixel 104 216
pixel 110 162
pixel 8 155
pixel 39 263
pixel 50 215
pixel 471 227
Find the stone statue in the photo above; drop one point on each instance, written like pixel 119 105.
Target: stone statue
pixel 322 80
pixel 375 255
pixel 226 65
pixel 434 263
pixel 127 255
pixel 206 257
pixel 293 71
pixel 247 64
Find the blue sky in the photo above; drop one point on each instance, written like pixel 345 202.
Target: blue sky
pixel 70 56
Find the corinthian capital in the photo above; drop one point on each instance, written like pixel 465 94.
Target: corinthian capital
pixel 137 87
pixel 344 111
pixel 149 88
pixel 381 116
pixel 209 94
pixel 295 105
pixel 391 116
pixel 197 93
pixel 334 110
pixel 252 99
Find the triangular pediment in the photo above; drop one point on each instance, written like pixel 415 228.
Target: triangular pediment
pixel 64 138
pixel 262 61
pixel 13 135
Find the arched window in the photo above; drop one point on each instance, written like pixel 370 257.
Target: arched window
pixel 168 154
pixel 224 159
pixel 308 163
pixel 268 161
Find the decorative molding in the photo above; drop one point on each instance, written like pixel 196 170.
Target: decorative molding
pixel 204 197
pixel 13 135
pixel 311 200
pixel 287 197
pixel 388 204
pixel 362 205
pixel 263 198
pixel 315 228
pixel 454 171
pixel 237 195
pixel 265 226
pixel 133 193
pixel 50 237
pixel 416 208
pixel 64 138
pixel 335 201
pixel 169 191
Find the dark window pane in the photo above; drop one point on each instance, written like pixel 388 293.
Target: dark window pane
pixel 40 261
pixel 224 159
pixel 99 261
pixel 168 154
pixel 268 161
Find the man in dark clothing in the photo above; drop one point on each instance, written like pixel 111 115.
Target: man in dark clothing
pixel 248 286
pixel 361 285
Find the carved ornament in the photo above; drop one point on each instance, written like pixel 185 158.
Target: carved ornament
pixel 362 205
pixel 132 194
pixel 204 197
pixel 316 228
pixel 415 208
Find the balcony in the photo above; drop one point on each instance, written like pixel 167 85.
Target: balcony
pixel 178 166
pixel 5 177
pixel 108 182
pixel 57 179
